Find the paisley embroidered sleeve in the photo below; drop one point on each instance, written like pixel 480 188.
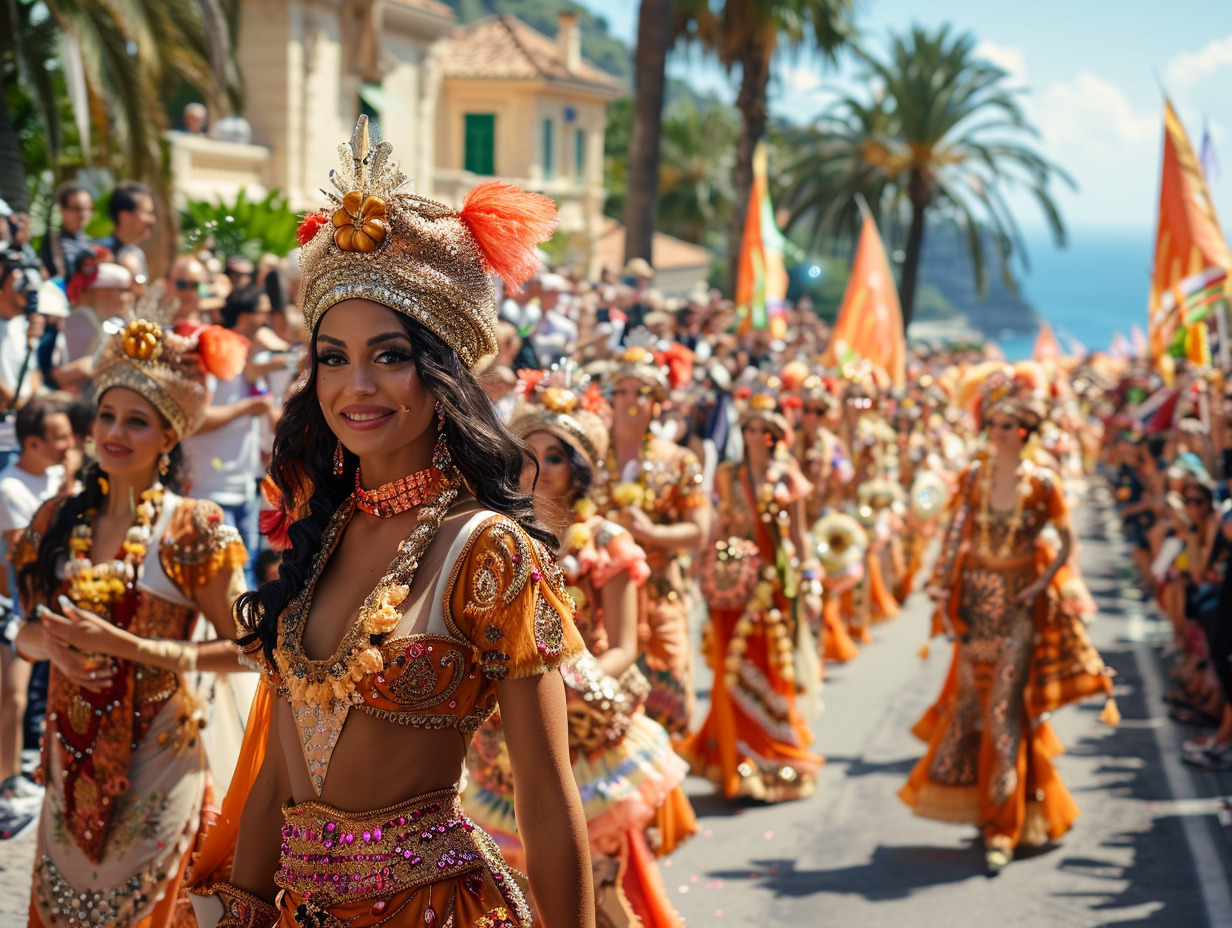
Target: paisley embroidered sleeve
pixel 616 552
pixel 508 598
pixel 689 491
pixel 198 544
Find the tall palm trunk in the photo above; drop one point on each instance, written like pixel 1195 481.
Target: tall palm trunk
pixel 12 170
pixel 751 101
pixel 921 197
pixel 655 35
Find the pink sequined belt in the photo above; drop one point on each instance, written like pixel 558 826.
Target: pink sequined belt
pixel 332 856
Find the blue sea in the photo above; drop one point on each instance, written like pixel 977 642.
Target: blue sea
pixel 1089 290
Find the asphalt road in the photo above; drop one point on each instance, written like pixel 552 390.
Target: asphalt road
pixel 1148 850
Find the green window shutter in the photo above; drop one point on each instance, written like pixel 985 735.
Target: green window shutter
pixel 579 151
pixel 480 146
pixel 549 163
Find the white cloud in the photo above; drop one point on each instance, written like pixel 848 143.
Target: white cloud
pixel 1191 69
pixel 1092 114
pixel 1010 60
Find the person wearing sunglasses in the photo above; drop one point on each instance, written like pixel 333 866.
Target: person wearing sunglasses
pixel 1020 646
pixel 184 280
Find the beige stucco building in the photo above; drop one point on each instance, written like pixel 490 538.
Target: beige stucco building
pixel 495 98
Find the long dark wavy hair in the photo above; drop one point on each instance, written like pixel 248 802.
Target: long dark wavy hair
pixel 40 579
pixel 488 456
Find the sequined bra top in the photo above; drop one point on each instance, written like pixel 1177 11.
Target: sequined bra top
pixel 500 610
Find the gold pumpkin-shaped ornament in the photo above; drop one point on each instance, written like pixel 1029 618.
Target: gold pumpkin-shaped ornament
pixel 142 340
pixel 360 224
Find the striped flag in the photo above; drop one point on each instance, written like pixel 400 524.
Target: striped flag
pixel 761 275
pixel 1188 245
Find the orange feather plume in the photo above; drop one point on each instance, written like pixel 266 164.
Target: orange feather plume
pixel 223 352
pixel 507 223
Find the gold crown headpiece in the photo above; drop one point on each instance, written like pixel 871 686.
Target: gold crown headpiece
pixel 418 257
pixel 760 404
pixel 564 403
pixel 168 367
pixel 638 360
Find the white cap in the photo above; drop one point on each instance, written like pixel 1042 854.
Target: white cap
pixel 52 301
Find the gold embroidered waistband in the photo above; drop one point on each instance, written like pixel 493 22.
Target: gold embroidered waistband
pixel 330 856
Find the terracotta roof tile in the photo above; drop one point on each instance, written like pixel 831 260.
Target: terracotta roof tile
pixel 502 47
pixel 667 253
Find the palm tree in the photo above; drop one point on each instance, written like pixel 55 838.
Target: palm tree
pixel 943 134
pixel 129 54
pixel 748 33
pixel 659 24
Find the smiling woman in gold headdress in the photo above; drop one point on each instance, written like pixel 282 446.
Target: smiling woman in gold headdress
pixel 113 578
pixel 416 593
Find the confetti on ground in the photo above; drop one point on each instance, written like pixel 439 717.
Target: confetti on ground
pixel 769 835
pixel 708 833
pixel 682 888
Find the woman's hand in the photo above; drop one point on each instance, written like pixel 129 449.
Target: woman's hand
pixel 89 671
pixel 1030 593
pixel 937 594
pixel 636 521
pixel 82 630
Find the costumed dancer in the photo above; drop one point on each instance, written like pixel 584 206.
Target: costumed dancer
pixel 1021 649
pixel 823 461
pixel 417 591
pixel 113 579
pixel 760 585
pixel 654 488
pixel 623 762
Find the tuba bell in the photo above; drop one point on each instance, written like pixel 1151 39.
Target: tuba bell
pixel 840 542
pixel 929 496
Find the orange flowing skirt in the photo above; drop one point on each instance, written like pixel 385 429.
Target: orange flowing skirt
pixel 753 742
pixel 836 642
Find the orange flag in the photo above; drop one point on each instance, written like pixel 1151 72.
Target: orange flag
pixel 1188 239
pixel 870 319
pixel 1047 348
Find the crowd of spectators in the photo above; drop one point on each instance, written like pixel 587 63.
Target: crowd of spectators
pixel 1169 459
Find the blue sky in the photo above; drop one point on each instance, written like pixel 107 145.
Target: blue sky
pixel 1092 72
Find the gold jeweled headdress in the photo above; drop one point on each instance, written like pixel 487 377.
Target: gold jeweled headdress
pixel 567 406
pixel 168 366
pixel 416 256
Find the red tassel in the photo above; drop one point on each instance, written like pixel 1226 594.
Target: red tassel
pixel 507 223
pixel 275 524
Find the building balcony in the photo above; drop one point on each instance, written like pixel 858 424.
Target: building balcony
pixel 209 169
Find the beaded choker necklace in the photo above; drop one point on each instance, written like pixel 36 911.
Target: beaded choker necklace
pixel 399 495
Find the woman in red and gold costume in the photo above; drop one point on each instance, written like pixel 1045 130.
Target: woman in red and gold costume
pixel 417 591
pixel 1020 647
pixel 113 579
pixel 623 762
pixel 653 487
pixel 754 742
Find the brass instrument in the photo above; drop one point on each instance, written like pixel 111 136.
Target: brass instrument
pixel 840 542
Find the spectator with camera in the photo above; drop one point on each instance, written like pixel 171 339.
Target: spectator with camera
pixel 45 436
pixel 132 210
pixel 21 327
pixel 64 245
